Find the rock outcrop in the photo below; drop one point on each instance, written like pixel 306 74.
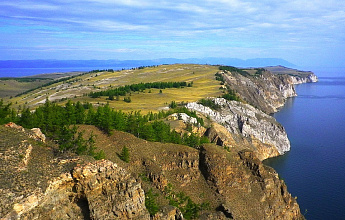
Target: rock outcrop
pixel 37 185
pixel 311 78
pixel 236 185
pixel 268 90
pixel 262 133
pixel 297 76
pixel 249 189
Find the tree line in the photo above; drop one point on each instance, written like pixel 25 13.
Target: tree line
pixel 140 87
pixel 58 123
pixel 234 69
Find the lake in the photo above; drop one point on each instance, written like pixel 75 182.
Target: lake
pixel 314 169
pixel 20 72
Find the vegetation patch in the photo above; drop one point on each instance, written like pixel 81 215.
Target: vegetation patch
pixel 209 103
pixel 56 122
pixel 234 69
pixel 184 203
pixel 124 155
pixel 124 90
pixel 151 202
pixel 231 95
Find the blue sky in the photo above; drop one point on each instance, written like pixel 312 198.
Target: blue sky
pixel 306 33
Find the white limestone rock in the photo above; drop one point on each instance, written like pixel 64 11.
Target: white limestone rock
pixel 244 119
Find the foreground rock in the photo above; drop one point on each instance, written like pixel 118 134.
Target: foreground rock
pixel 38 184
pixel 41 186
pixel 249 189
pixel 245 126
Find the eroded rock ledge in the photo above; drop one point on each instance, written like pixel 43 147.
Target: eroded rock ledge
pixel 98 190
pixel 262 133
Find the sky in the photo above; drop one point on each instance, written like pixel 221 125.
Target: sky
pixel 303 32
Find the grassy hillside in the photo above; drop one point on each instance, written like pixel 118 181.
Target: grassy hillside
pixel 202 76
pixel 10 87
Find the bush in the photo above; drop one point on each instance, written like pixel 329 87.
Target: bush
pixel 172 104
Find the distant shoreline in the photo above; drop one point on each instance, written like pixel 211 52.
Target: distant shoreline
pixel 30 72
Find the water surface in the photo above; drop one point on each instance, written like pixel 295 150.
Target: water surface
pixel 314 169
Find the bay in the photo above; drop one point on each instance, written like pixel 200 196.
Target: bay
pixel 314 169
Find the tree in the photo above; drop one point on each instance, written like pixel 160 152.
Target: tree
pixel 150 202
pixel 172 104
pixel 80 113
pixel 127 99
pixel 124 155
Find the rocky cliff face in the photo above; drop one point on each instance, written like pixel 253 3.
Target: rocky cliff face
pixel 262 133
pixel 37 185
pixel 47 186
pixel 311 78
pixel 248 189
pixel 297 76
pixel 267 91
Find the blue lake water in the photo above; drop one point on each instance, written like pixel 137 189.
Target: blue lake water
pixel 20 72
pixel 314 169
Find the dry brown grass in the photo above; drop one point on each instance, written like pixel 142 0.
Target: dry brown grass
pixel 202 76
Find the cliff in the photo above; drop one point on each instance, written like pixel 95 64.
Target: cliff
pixel 36 184
pixel 43 185
pixel 269 89
pixel 248 189
pixel 247 127
pixel 297 76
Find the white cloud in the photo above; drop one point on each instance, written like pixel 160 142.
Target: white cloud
pixel 30 6
pixel 206 24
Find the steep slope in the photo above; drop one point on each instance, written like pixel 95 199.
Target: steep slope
pixel 247 127
pixel 68 186
pixel 265 90
pixel 37 184
pixel 297 76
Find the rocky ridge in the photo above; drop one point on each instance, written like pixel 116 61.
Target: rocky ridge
pixel 297 76
pixel 58 188
pixel 267 91
pixel 266 136
pixel 74 187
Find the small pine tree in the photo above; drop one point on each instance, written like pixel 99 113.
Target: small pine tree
pixel 173 104
pixel 124 155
